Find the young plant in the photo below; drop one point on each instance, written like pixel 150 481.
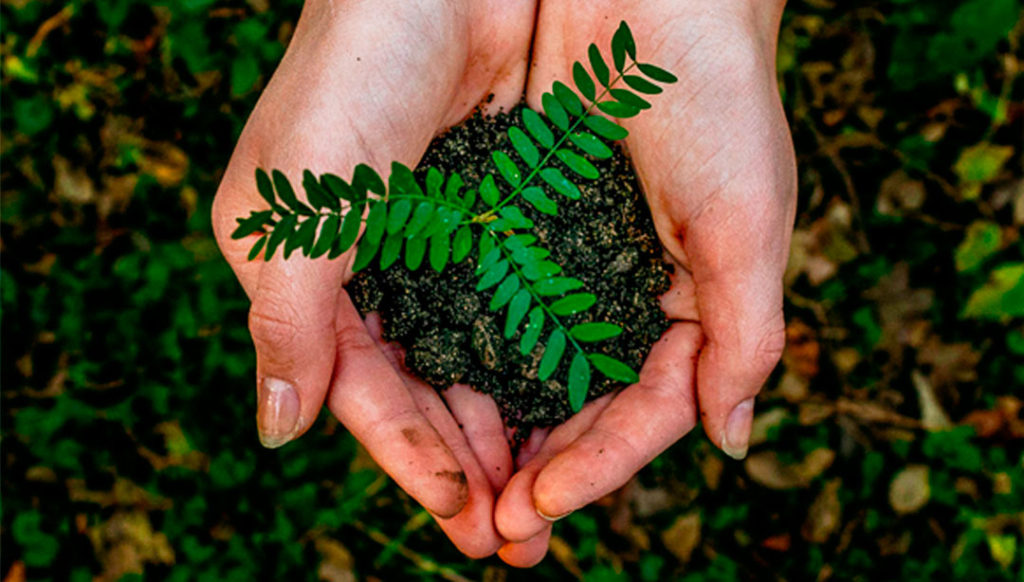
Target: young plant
pixel 440 222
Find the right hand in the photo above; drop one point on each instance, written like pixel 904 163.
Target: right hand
pixel 371 82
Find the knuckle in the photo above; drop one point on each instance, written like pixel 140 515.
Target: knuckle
pixel 272 329
pixel 770 347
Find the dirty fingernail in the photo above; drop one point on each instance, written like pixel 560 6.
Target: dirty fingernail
pixel 277 417
pixel 736 438
pixel 549 518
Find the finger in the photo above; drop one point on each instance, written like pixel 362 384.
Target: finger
pixel 292 325
pixel 532 446
pixel 478 416
pixel 642 421
pixel 472 529
pixel 369 397
pixel 515 514
pixel 529 553
pixel 738 254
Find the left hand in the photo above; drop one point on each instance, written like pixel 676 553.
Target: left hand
pixel 716 162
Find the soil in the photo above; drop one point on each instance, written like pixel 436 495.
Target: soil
pixel 606 239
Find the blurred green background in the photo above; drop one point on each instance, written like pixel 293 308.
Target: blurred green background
pixel 888 445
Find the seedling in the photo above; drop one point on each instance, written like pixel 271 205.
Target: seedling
pixel 442 220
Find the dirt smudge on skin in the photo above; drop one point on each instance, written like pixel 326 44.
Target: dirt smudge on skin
pixel 411 435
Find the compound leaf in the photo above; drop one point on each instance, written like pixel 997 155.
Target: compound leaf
pixel 420 218
pixel 594 331
pixel 557 180
pixel 538 129
pixel 303 237
pixel 578 164
pixel 614 369
pixel 571 304
pixel 657 73
pixel 366 178
pixel 553 351
pixel 257 247
pixel 287 194
pixel 439 247
pixel 541 270
pixel 398 215
pixel 452 188
pixel 504 292
pixel 282 230
pixel 534 325
pixel 365 251
pixel 638 83
pixel 630 98
pixel 375 224
pixel 583 81
pixel 556 285
pixel 252 223
pixel 390 251
pixel 415 249
pixel 493 275
pixel 511 218
pixel 316 194
pixel 579 381
pixel 265 186
pixel 590 144
pixel 328 234
pixel 617 109
pixel 489 190
pixel 402 180
pixel 339 188
pixel 349 232
pixel 462 244
pixel 553 109
pixel 605 128
pixel 435 179
pixel 598 65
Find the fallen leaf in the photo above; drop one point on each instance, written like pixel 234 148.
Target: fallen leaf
pixel 336 562
pixel 909 490
pixel 767 470
pixel 981 162
pixel 683 536
pixel 126 542
pixel 1003 549
pixel 1001 298
pixel 764 422
pixel 802 349
pixel 983 239
pixel 899 193
pixel 823 517
pixel 779 543
pixel 933 417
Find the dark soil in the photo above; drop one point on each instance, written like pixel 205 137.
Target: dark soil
pixel 606 239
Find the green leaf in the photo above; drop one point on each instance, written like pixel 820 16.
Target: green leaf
pixel 578 164
pixel 518 242
pixel 657 73
pixel 469 199
pixel 516 311
pixel 530 255
pixel 375 224
pixel 538 129
pixel 366 178
pixel 984 238
pixel 572 304
pixel 328 234
pixel 553 351
pixel 252 223
pixel 614 369
pixel 282 230
pixel 349 232
pixel 420 218
pixel 556 286
pixel 618 50
pixel 452 188
pixel 507 168
pixel 511 218
pixel 316 194
pixel 569 100
pixel 630 98
pixel 553 109
pixel 462 244
pixel 605 128
pixel 627 39
pixel 590 144
pixel 617 109
pixel 534 325
pixel 536 196
pixel 579 381
pixel 287 195
pixel 402 180
pixel 541 270
pixel 434 181
pixel 489 259
pixel 595 331
pixel 561 184
pixel 303 237
pixel 524 146
pixel 504 292
pixel 493 275
pixel 391 249
pixel 1001 298
pixel 583 81
pixel 254 252
pixel 439 247
pixel 398 215
pixel 489 190
pixel 365 251
pixel 415 249
pixel 638 83
pixel 339 188
pixel 598 65
pixel 264 185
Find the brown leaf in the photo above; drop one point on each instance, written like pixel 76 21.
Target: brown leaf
pixel 683 536
pixel 336 562
pixel 933 417
pixel 767 470
pixel 764 422
pixel 823 518
pixel 909 490
pixel 802 349
pixel 899 193
pixel 126 543
pixel 779 543
pixel 16 573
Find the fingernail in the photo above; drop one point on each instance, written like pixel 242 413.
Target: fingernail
pixel 277 417
pixel 736 437
pixel 549 518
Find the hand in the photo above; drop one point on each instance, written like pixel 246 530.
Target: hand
pixel 717 165
pixel 369 82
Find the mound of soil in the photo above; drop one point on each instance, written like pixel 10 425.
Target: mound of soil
pixel 606 239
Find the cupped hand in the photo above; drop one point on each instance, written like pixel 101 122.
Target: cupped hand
pixel 369 82
pixel 716 162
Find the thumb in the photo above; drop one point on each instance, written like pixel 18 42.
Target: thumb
pixel 292 327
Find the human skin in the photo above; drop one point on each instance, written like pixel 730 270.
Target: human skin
pixel 716 163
